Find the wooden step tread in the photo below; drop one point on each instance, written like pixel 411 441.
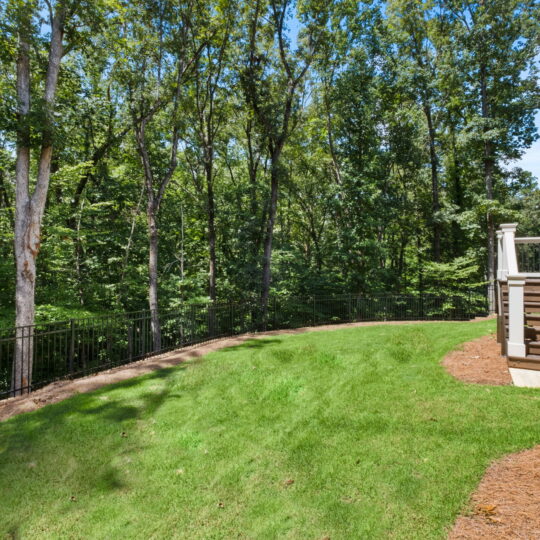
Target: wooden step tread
pixel 531 361
pixel 527 289
pixel 528 281
pixel 527 358
pixel 527 326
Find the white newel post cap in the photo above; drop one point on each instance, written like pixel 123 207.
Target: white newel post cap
pixel 508 227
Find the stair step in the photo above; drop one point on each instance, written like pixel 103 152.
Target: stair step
pixel 528 281
pixel 528 303
pixel 528 294
pixel 527 358
pixel 530 361
pixel 528 289
pixel 533 346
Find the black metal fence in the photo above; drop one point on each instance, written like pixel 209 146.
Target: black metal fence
pixel 59 350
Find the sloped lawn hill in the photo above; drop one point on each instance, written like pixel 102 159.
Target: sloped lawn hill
pixel 355 433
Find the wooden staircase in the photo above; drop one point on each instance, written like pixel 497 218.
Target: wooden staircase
pixel 518 304
pixel 531 307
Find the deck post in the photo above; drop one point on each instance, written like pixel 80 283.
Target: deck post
pixel 498 291
pixel 516 318
pixel 501 274
pixel 509 259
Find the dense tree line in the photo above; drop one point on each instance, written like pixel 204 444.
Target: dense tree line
pixel 155 152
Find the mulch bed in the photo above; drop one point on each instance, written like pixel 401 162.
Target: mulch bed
pixel 480 362
pixel 506 504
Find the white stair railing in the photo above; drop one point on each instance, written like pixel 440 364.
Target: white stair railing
pixel 507 271
pixel 524 369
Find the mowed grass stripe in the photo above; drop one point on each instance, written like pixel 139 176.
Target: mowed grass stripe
pixel 355 433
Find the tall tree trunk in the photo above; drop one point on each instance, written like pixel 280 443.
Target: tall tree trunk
pixel 457 234
pixel 488 175
pixel 210 211
pixel 153 304
pixel 211 239
pixel 24 239
pixel 488 169
pixel 330 131
pixel 257 216
pixel 153 203
pixel 435 203
pixel 29 207
pixel 267 250
pixel 79 253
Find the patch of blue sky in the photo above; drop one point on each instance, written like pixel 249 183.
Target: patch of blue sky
pixel 530 161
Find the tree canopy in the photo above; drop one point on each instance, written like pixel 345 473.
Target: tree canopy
pixel 232 149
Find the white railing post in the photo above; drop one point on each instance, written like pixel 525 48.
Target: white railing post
pixel 501 330
pixel 516 316
pixel 500 256
pixel 509 262
pixel 507 270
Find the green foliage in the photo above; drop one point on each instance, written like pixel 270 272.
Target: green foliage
pixel 356 209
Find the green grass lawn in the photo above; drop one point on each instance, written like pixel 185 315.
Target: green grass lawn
pixel 355 433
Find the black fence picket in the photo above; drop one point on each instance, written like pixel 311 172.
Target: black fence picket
pixel 80 347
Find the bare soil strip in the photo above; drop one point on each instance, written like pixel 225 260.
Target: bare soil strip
pixel 60 390
pixel 480 362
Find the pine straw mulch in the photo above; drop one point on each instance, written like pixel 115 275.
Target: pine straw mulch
pixel 480 362
pixel 506 504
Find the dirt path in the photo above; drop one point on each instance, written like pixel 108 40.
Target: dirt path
pixel 60 390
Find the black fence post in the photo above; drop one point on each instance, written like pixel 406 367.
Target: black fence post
pixel 71 345
pixel 130 339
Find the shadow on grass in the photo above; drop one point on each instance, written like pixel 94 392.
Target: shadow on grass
pixel 35 439
pixel 27 429
pixel 253 344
